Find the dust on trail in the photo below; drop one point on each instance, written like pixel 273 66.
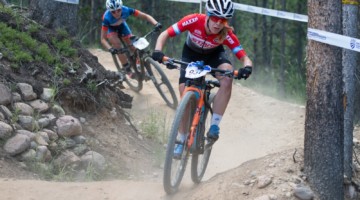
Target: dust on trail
pixel 253 126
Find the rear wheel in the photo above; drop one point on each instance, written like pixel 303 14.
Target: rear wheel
pixel 174 167
pixel 161 83
pixel 199 160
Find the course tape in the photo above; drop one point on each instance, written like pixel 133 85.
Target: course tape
pixel 259 10
pixel 69 1
pixel 334 39
pixel 271 12
pixel 312 34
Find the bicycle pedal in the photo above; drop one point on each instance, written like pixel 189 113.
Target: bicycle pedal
pixel 211 141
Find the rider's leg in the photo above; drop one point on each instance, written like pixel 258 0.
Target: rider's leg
pixel 181 136
pixel 115 43
pixel 221 101
pixel 183 124
pixel 127 41
pixel 224 93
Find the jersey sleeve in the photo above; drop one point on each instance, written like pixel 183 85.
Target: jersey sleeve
pixel 105 23
pixel 127 11
pixel 234 44
pixel 186 23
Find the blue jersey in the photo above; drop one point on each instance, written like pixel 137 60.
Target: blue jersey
pixel 112 24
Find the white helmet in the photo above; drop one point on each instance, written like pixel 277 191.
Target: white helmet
pixel 220 8
pixel 113 4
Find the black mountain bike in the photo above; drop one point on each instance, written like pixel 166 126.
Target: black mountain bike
pixel 192 117
pixel 144 68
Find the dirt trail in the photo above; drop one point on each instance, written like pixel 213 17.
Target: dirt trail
pixel 253 126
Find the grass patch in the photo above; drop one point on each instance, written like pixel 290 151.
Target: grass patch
pixel 156 125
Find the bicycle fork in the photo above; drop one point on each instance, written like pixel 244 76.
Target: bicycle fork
pixel 193 139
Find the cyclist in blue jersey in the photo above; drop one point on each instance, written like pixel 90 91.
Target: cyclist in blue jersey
pixel 114 26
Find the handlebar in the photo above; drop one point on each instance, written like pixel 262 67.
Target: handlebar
pixel 133 39
pixel 223 72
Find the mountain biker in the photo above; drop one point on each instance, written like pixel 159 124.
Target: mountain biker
pixel 114 26
pixel 205 39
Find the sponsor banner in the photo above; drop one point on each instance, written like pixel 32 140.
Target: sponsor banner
pixel 69 1
pixel 334 39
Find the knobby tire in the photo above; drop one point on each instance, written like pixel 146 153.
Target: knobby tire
pixel 162 83
pixel 174 168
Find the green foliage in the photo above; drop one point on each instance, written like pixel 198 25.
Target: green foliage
pixel 6 10
pixel 62 32
pixel 54 92
pixel 266 82
pixel 64 47
pixel 58 69
pixel 91 86
pixel 91 173
pixel 14 66
pixel 155 126
pixel 20 52
pixel 33 28
pixel 44 54
pixel 66 81
pixel 15 115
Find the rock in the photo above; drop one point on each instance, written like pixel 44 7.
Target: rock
pixel 17 144
pixel 68 126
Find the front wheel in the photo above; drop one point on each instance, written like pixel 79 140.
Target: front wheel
pixel 174 166
pixel 161 83
pixel 134 78
pixel 200 160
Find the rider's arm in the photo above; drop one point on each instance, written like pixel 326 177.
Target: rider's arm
pixel 176 29
pixel 103 39
pixel 160 42
pixel 234 44
pixel 246 61
pixel 146 17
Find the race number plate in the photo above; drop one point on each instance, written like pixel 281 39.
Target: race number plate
pixel 193 71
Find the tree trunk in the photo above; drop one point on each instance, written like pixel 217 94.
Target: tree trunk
pixel 350 15
pixel 256 39
pixel 324 123
pixel 299 43
pixel 54 14
pixel 265 52
pixel 271 28
pixel 282 54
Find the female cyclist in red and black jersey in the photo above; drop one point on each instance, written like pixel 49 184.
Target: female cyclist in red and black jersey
pixel 206 36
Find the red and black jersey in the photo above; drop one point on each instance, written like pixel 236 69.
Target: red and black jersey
pixel 197 38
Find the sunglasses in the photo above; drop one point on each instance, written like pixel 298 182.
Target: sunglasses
pixel 218 19
pixel 116 11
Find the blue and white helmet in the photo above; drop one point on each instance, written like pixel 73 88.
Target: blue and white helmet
pixel 113 5
pixel 220 8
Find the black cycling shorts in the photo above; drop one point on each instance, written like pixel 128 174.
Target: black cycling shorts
pixel 214 59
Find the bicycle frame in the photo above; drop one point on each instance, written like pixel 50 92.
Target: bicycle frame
pixel 126 49
pixel 190 119
pixel 143 68
pixel 197 116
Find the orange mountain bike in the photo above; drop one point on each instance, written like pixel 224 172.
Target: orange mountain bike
pixel 192 117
